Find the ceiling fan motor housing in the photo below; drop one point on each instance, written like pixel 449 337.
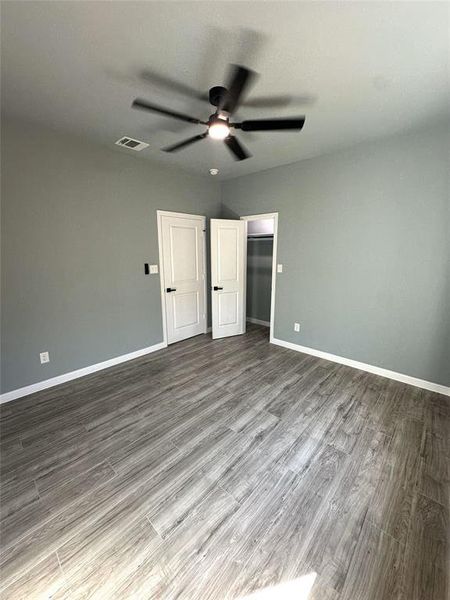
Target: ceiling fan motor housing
pixel 216 94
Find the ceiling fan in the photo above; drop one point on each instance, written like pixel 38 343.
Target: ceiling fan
pixel 226 100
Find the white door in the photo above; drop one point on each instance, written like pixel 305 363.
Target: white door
pixel 183 273
pixel 228 258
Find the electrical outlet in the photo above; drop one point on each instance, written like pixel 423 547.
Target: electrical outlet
pixel 296 326
pixel 153 269
pixel 44 357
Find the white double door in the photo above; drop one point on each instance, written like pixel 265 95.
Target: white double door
pixel 183 275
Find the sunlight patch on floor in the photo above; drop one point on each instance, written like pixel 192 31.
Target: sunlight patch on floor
pixel 296 589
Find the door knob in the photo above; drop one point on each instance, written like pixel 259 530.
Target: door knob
pixel 216 288
pixel 171 290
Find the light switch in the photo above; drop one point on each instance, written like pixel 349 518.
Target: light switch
pixel 153 269
pixel 44 357
pixel 279 268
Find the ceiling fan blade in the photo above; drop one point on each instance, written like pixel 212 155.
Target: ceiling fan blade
pixel 238 83
pixel 271 124
pixel 279 101
pixel 144 105
pixel 180 145
pixel 170 84
pixel 236 148
pixel 268 102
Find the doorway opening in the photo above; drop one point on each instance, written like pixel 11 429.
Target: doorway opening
pixel 261 269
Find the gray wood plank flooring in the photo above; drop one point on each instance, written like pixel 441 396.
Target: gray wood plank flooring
pixel 215 470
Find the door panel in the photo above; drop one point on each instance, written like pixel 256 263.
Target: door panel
pixel 228 308
pixel 183 275
pixel 228 255
pixel 184 256
pixel 186 309
pixel 227 244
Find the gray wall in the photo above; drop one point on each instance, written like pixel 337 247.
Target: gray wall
pixel 364 240
pixel 259 278
pixel 78 223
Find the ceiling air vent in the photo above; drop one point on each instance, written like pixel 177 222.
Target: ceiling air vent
pixel 132 144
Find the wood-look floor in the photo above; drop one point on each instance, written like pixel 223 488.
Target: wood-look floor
pixel 226 469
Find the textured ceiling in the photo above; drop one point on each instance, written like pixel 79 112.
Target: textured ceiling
pixel 366 69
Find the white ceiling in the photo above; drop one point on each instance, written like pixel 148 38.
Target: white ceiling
pixel 374 68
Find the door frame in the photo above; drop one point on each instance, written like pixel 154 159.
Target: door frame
pixel 274 216
pixel 167 213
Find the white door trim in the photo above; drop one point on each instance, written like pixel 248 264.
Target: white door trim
pixel 167 213
pixel 273 216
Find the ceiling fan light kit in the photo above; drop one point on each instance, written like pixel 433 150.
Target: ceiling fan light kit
pixel 218 128
pixel 226 100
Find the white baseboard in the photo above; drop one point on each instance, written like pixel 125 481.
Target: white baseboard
pixel 421 383
pixel 48 383
pixel 258 321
